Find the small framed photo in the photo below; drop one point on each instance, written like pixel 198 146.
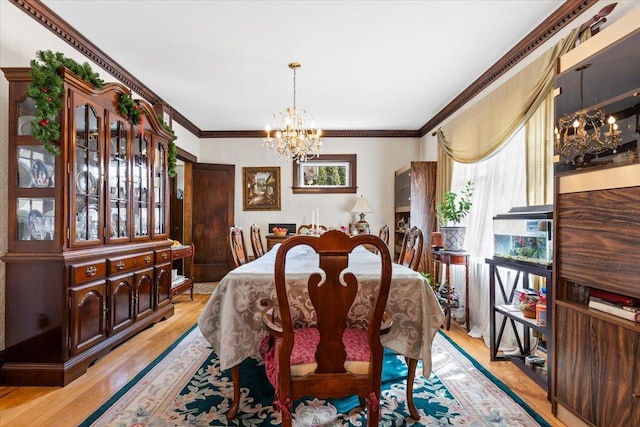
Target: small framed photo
pixel 261 188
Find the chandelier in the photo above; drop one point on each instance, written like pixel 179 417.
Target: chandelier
pixel 293 141
pixel 580 133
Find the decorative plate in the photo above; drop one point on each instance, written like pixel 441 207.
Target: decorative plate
pixel 86 182
pixel 34 222
pixel 24 174
pixel 39 174
pixel 24 125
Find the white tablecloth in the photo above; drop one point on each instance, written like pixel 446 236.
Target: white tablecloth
pixel 232 322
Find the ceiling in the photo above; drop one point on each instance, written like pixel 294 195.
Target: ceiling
pixel 384 65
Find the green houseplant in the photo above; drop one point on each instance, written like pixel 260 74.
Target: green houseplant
pixel 450 211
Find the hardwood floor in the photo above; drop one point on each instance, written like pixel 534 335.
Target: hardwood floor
pixel 70 405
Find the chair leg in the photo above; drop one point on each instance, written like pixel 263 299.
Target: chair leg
pixel 373 416
pixel 235 377
pixel 411 374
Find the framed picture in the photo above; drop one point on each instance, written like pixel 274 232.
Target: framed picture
pixel 328 173
pixel 261 189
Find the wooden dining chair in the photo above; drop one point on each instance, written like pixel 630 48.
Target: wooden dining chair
pixel 305 229
pixel 332 357
pixel 384 234
pixel 237 246
pixel 411 251
pixel 256 241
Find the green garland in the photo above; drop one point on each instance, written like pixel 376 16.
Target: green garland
pixel 47 90
pixel 129 109
pixel 173 149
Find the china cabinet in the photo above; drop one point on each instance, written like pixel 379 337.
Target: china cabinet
pixel 415 192
pixel 87 231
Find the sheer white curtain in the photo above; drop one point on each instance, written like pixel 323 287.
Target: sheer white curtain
pixel 499 184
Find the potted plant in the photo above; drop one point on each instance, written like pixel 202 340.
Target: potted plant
pixel 529 301
pixel 449 213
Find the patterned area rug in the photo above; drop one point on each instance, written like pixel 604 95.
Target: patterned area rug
pixel 185 387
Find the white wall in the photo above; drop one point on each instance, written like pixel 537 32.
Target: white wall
pixel 377 160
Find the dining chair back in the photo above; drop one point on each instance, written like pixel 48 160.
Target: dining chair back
pixel 335 355
pixel 237 246
pixel 256 241
pixel 411 251
pixel 305 229
pixel 384 234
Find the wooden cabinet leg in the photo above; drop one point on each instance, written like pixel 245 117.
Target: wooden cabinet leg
pixel 235 377
pixel 411 374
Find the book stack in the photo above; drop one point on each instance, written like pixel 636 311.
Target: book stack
pixel 618 305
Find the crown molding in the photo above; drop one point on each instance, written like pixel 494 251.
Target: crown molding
pixel 559 19
pixel 325 134
pixel 48 18
pixel 565 14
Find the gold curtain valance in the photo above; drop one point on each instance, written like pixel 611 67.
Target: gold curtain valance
pixel 479 131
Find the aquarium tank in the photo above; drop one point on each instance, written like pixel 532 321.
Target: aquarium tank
pixel 525 234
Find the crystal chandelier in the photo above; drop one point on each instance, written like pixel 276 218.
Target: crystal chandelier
pixel 580 133
pixel 293 140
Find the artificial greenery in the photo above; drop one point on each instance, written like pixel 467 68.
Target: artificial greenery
pixel 47 90
pixel 173 149
pixel 452 209
pixel 129 109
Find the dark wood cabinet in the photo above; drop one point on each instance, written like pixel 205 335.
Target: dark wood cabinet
pixel 415 192
pixel 87 230
pixel 597 371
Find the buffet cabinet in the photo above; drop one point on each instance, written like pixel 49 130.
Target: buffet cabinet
pixel 89 261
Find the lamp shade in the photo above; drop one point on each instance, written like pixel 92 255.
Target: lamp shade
pixel 361 206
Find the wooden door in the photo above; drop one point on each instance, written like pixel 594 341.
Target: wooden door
pixel 122 294
pixel 163 284
pixel 143 300
pixel 213 190
pixel 88 316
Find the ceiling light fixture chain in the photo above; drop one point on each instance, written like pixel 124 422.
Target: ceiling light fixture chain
pixel 579 134
pixel 293 141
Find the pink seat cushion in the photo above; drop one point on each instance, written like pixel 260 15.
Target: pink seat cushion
pixel 304 347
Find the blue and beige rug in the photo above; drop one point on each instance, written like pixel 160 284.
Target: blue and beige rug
pixel 185 387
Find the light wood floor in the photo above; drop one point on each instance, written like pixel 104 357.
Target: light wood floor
pixel 70 405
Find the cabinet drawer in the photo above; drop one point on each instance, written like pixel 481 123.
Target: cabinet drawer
pixel 121 264
pixel 88 271
pixel 163 256
pixel 181 252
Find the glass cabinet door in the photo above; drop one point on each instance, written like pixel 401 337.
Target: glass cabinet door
pixel 35 181
pixel 87 176
pixel 26 116
pixel 160 189
pixel 140 186
pixel 119 183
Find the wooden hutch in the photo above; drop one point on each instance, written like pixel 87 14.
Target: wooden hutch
pixel 89 260
pixel 596 376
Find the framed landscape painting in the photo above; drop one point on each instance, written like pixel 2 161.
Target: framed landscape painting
pixel 328 173
pixel 261 188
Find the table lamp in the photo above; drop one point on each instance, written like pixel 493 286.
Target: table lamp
pixel 361 206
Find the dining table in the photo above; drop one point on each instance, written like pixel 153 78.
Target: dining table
pixel 232 318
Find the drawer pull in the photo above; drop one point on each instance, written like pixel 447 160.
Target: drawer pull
pixel 164 255
pixel 636 395
pixel 91 271
pixel 147 259
pixel 119 265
